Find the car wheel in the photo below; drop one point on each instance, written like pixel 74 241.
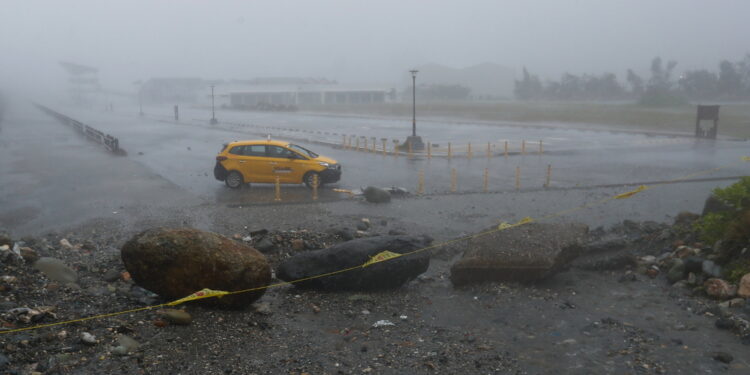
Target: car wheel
pixel 310 178
pixel 234 180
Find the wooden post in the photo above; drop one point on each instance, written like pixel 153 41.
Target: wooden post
pixel 316 182
pixel 450 153
pixel 489 150
pixel 277 196
pixel 468 151
pixel 395 147
pixel 506 149
pixel 454 180
pixel 486 180
pixel 518 178
pixel 541 148
pixel 549 175
pixel 420 183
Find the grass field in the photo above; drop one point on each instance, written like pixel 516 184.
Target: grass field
pixel 734 117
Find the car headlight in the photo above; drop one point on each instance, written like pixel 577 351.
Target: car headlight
pixel 324 164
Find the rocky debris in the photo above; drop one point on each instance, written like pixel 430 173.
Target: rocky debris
pixel 383 275
pixel 29 255
pixel 111 275
pixel 175 263
pixel 66 244
pixel 176 316
pixel 526 253
pixel 685 219
pixel 382 323
pixel 5 240
pixel 744 289
pixel 720 289
pixel 56 270
pixel 345 234
pixel 376 195
pixel 710 268
pixel 126 345
pixel 722 357
pixel 88 339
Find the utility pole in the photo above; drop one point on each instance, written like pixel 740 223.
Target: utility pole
pixel 414 141
pixel 213 108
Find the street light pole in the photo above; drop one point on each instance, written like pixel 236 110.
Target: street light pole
pixel 414 102
pixel 213 109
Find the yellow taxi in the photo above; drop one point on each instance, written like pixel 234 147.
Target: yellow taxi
pixel 243 162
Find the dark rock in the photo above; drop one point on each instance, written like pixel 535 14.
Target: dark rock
pixel 693 264
pixel 524 253
pixel 346 234
pixel 685 218
pixel 265 245
pixel 710 268
pixel 722 357
pixel 362 226
pixel 724 323
pixel 396 232
pixel 4 362
pixel 175 263
pixel 29 255
pixel 606 244
pixel 111 276
pixel 5 240
pixel 715 205
pixel 384 275
pixel 377 195
pixel 606 261
pixel 676 272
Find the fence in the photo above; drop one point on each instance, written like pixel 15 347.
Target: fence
pixel 109 142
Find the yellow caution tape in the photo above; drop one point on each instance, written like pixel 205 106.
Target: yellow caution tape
pixel 631 193
pixel 504 225
pixel 203 293
pixel 745 158
pixel 383 256
pixel 525 220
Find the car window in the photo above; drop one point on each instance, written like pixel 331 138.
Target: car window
pixel 237 150
pixel 255 150
pixel 280 152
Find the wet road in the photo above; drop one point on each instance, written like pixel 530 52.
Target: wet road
pixel 181 155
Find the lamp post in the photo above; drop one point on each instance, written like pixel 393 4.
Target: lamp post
pixel 414 141
pixel 213 109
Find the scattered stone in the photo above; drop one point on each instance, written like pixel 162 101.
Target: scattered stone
pixel 5 240
pixel 176 316
pixel 685 218
pixel 382 275
pixel 719 289
pixel 265 245
pixel 722 357
pixel 298 244
pixel 111 276
pixel 88 338
pixel 362 226
pixel 175 263
pixel 263 308
pixel 65 244
pixel 29 255
pixel 56 270
pixel 376 195
pixel 693 264
pixel 346 234
pixel 524 253
pixel 684 252
pixel 744 289
pixel 725 323
pixel 647 260
pixel 128 343
pixel 710 268
pixel 677 272
pixel 315 308
pixel 382 323
pixel 627 277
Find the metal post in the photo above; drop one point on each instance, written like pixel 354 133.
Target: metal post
pixel 489 150
pixel 414 103
pixel 384 146
pixel 518 178
pixel 410 151
pixel 454 180
pixel 541 148
pixel 315 184
pixel 549 174
pixel 277 196
pixel 213 108
pixel 486 180
pixel 429 150
pixel 420 183
pixel 450 154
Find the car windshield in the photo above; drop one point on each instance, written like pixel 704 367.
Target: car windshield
pixel 303 151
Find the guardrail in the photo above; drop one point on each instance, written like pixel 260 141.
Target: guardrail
pixel 109 142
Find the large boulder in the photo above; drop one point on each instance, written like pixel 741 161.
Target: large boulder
pixel 377 195
pixel 714 205
pixel 175 263
pixel 744 289
pixel 382 275
pixel 525 253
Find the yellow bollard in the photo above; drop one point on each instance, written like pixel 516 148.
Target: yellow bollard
pixel 384 146
pixel 506 149
pixel 420 182
pixel 277 196
pixel 468 151
pixel 518 178
pixel 343 141
pixel 489 150
pixel 357 144
pixel 549 174
pixel 374 145
pixel 429 150
pixel 410 151
pixel 316 182
pixel 395 147
pixel 365 149
pixel 523 147
pixel 450 153
pixel 541 148
pixel 486 180
pixel 454 180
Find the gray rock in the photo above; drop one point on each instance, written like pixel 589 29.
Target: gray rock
pixel 377 195
pixel 346 234
pixel 88 338
pixel 362 226
pixel 693 264
pixel 711 268
pixel 265 245
pixel 383 275
pixel 56 270
pixel 4 362
pixel 176 316
pixel 677 272
pixel 722 357
pixel 111 276
pixel 525 253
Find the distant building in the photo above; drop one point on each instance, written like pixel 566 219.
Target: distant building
pixel 486 81
pixel 173 90
pixel 306 96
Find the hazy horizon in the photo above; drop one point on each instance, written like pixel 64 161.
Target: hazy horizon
pixel 359 41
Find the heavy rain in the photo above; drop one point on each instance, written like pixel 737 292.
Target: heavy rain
pixel 390 187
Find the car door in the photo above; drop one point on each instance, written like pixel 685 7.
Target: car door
pixel 283 163
pixel 237 161
pixel 257 166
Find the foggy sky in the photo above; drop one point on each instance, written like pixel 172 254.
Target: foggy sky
pixel 359 41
